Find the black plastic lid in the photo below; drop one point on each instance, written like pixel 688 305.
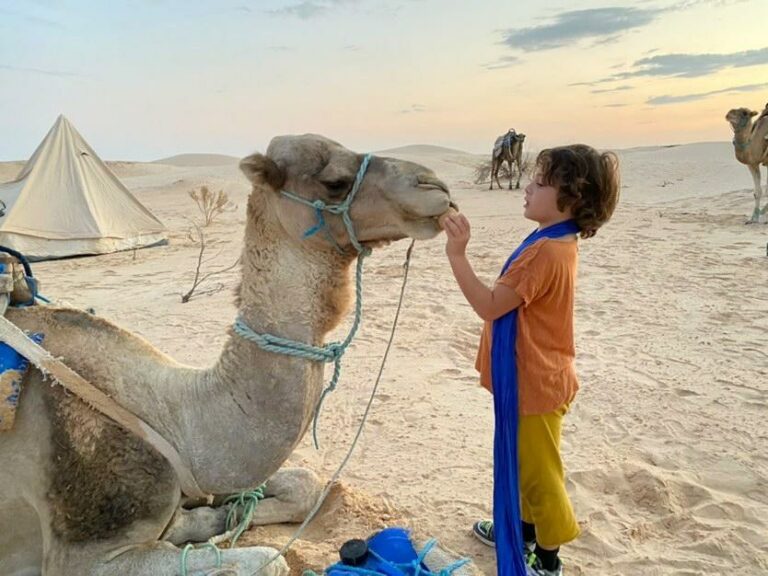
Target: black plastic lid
pixel 354 552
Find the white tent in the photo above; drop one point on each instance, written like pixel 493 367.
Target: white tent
pixel 66 202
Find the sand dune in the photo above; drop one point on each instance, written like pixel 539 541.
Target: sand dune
pixel 423 150
pixel 198 160
pixel 10 170
pixel 665 444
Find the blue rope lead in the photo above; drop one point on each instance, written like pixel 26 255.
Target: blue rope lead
pixel 343 209
pixel 334 351
pixel 245 502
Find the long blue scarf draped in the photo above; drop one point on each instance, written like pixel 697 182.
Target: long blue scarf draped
pixel 507 520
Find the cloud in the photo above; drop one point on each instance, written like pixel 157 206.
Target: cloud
pixel 608 40
pixel 304 10
pixel 685 65
pixel 607 90
pixel 614 105
pixel 58 73
pixel 307 9
pixel 662 100
pixel 683 4
pixel 693 65
pixel 567 28
pixel 415 108
pixel 503 62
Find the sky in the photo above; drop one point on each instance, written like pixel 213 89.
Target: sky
pixel 145 79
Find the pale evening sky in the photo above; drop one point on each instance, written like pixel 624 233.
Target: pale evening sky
pixel 146 79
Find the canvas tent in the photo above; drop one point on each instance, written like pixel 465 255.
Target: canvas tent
pixel 66 202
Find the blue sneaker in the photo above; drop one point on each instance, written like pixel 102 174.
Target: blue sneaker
pixel 483 531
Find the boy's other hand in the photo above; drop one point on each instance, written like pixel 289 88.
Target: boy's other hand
pixel 457 230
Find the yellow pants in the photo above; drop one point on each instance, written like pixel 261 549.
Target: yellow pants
pixel 545 502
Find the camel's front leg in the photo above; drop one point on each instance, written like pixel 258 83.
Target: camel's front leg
pixel 755 170
pixel 290 494
pixel 491 186
pixel 764 211
pixel 495 165
pixel 197 524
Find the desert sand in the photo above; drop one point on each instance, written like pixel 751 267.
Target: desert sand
pixel 665 446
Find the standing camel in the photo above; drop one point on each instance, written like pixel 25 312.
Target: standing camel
pixel 507 148
pixel 750 143
pixel 82 496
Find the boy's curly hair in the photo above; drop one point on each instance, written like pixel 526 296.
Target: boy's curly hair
pixel 587 183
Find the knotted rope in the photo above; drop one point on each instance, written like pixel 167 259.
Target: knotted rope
pixel 331 352
pixel 337 473
pixel 334 351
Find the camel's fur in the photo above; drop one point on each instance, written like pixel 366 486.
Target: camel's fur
pixel 82 496
pixel 750 142
pixel 511 153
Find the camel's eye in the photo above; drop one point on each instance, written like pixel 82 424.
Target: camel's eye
pixel 337 188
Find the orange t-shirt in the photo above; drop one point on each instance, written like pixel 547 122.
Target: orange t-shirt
pixel 544 276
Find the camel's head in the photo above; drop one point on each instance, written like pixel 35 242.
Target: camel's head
pixel 397 199
pixel 739 118
pixel 519 137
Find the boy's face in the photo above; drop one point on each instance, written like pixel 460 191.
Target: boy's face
pixel 541 201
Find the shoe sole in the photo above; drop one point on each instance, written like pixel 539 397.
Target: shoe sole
pixel 483 539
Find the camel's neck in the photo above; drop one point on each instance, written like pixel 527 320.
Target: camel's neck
pixel 268 399
pixel 742 138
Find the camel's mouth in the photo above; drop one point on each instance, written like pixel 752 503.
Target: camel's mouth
pixel 430 182
pixel 451 205
pixel 424 226
pixel 434 186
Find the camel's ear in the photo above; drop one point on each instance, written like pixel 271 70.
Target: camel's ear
pixel 260 169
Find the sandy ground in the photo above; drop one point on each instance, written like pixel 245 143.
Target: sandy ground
pixel 665 446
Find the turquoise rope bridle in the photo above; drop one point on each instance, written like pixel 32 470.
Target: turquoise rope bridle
pixel 334 351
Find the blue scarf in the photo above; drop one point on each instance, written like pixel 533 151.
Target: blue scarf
pixel 507 520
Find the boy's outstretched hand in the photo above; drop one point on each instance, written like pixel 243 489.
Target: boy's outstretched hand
pixel 457 230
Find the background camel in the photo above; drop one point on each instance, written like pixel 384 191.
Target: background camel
pixel 750 143
pixel 507 148
pixel 82 496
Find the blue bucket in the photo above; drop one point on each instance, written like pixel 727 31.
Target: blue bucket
pixel 391 553
pixel 12 368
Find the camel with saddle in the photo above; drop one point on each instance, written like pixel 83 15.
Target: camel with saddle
pixel 507 148
pixel 85 495
pixel 750 144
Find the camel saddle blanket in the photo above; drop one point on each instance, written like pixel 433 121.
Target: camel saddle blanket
pixel 13 366
pixel 504 142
